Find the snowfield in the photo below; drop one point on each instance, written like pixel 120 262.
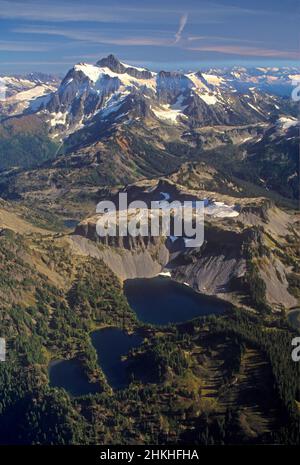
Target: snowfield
pixel 167 112
pixel 95 74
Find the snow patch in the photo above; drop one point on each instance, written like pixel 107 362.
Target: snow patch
pixel 37 103
pixel 220 210
pixel 255 108
pixel 213 80
pixel 166 112
pixel 165 273
pixel 171 112
pixel 94 73
pixel 202 90
pixel 285 122
pixel 113 104
pixel 58 118
pixel 126 65
pixel 209 99
pixel 294 77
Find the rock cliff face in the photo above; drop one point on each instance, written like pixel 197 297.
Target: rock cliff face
pixel 212 275
pixel 219 267
pixel 210 269
pixel 274 273
pixel 129 258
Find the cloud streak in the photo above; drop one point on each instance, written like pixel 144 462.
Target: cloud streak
pixel 58 12
pixel 21 46
pixel 105 11
pixel 223 39
pixel 247 51
pixel 182 24
pixel 94 37
pixel 169 32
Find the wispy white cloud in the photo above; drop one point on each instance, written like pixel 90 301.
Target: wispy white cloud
pixel 133 13
pixel 222 39
pixel 73 26
pixel 247 51
pixel 21 46
pixel 103 12
pixel 182 24
pixel 95 37
pixel 59 11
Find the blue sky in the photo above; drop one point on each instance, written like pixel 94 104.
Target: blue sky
pixel 52 35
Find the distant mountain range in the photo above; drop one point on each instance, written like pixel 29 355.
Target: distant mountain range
pixel 17 92
pixel 114 92
pixel 112 122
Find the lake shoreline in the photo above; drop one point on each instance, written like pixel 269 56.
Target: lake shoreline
pixel 162 301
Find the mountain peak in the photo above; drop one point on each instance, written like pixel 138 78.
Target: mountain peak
pixel 111 62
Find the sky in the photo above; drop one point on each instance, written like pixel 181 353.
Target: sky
pixel 52 35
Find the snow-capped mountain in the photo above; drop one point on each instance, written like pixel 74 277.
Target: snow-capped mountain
pixel 114 122
pixel 111 92
pixel 278 81
pixel 18 92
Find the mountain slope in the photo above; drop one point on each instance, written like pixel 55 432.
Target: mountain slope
pixel 114 123
pixel 18 92
pixel 111 90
